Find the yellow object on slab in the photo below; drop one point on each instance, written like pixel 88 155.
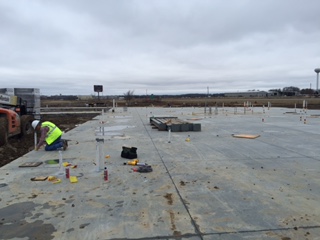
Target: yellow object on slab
pixel 52 178
pixel 58 180
pixel 66 164
pixel 245 136
pixel 73 179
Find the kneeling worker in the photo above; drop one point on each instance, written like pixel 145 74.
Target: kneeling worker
pixel 51 135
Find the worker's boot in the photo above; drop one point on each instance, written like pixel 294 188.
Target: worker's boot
pixel 65 145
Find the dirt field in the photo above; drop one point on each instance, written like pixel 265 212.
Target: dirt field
pixel 17 147
pixel 290 102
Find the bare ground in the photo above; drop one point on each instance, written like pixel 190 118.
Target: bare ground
pixel 17 147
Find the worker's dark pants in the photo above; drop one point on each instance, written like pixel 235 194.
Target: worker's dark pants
pixel 57 144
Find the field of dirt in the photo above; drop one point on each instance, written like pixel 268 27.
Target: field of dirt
pixel 289 102
pixel 17 147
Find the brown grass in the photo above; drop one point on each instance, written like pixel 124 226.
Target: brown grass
pixel 290 102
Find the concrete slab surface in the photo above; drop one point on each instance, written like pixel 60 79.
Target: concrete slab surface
pixel 214 186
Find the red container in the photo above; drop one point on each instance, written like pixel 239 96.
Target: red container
pixel 105 174
pixel 67 172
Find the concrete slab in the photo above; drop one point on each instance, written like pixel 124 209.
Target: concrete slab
pixel 214 186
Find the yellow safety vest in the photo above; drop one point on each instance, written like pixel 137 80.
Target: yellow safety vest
pixel 53 133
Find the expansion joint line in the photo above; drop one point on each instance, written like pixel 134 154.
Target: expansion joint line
pixel 290 150
pixel 197 230
pixel 262 230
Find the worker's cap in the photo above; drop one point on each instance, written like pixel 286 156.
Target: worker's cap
pixel 35 123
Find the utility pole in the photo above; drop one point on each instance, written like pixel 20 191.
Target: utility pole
pixel 317 70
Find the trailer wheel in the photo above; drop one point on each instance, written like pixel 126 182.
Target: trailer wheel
pixel 26 125
pixel 3 131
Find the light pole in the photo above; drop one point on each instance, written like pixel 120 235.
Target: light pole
pixel 317 70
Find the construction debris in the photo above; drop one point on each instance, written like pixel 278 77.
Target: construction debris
pixel 143 169
pixel 175 124
pixel 245 136
pixel 41 178
pixel 30 164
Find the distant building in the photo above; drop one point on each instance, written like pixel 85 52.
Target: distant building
pixel 274 92
pixel 290 93
pixel 247 94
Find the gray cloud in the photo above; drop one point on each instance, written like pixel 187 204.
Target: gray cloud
pixel 159 46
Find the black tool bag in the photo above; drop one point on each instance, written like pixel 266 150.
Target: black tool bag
pixel 129 152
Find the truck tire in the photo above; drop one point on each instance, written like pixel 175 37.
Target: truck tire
pixel 26 127
pixel 3 131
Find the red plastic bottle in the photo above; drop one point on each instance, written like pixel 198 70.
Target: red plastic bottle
pixel 105 174
pixel 67 172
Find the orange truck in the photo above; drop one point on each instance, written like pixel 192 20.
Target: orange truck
pixel 18 108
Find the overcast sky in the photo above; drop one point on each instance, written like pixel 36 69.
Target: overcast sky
pixel 158 46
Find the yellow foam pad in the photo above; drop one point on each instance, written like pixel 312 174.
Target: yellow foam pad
pixel 73 179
